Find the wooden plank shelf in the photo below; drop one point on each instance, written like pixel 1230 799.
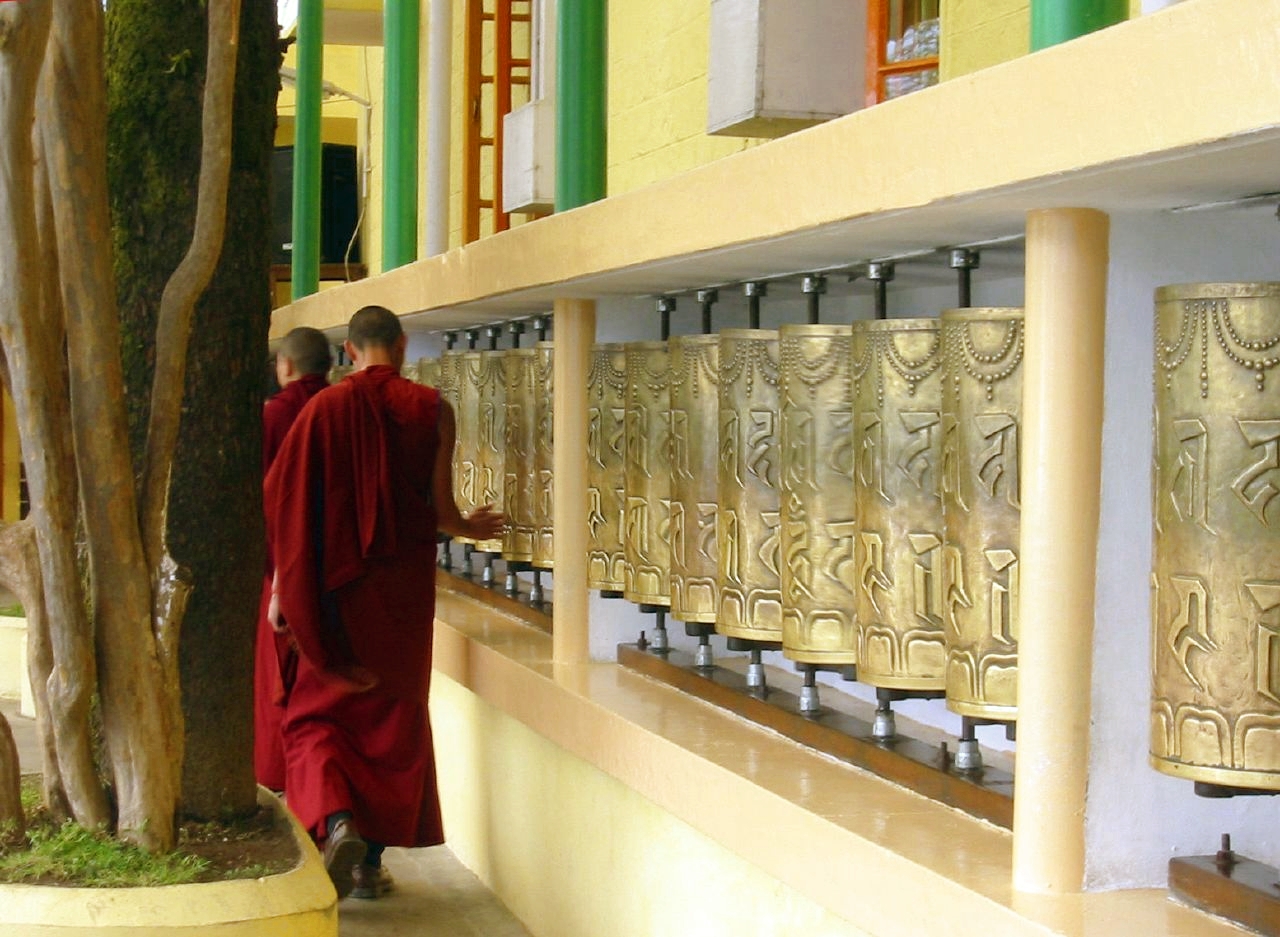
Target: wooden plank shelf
pixel 921 767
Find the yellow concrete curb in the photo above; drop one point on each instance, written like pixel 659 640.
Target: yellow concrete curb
pixel 297 903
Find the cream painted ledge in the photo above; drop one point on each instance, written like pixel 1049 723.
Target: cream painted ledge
pixel 1176 108
pixel 298 903
pixel 882 858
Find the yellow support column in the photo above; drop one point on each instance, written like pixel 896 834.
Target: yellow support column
pixel 574 333
pixel 1066 297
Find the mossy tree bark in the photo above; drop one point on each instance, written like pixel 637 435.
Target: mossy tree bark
pixel 156 56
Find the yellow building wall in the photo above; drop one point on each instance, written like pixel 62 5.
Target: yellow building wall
pixel 358 70
pixel 657 109
pixel 608 861
pixel 979 33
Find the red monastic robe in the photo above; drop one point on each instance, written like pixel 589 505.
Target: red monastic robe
pixel 273 658
pixel 353 529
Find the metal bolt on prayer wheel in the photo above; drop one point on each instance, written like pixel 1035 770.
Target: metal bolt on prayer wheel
pixel 1215 604
pixel 606 466
pixel 646 532
pixel 518 490
pixel 543 457
pixel 695 414
pixel 748 518
pixel 899 559
pixel 817 503
pixel 981 423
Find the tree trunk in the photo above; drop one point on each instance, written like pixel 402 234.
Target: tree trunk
pixel 214 524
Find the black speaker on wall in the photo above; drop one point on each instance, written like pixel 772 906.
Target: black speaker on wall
pixel 339 203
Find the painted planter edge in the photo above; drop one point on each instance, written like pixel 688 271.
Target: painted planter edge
pixel 298 903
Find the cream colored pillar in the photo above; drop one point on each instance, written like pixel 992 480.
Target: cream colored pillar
pixel 574 332
pixel 1066 293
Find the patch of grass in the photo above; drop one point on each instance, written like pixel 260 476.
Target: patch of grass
pixel 70 853
pixel 67 854
pixel 31 793
pixel 13 611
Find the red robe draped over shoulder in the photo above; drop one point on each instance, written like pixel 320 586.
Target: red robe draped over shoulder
pixel 272 661
pixel 353 533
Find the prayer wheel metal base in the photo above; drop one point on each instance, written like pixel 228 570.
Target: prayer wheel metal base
pixel 1215 630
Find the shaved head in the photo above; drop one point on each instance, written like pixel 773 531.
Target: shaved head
pixel 308 349
pixel 374 325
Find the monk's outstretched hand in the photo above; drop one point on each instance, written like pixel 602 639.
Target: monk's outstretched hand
pixel 485 523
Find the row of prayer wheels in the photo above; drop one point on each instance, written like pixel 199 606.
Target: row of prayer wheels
pixel 502 408
pixel 850 493
pixel 846 492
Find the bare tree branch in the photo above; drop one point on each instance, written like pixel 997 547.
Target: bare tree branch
pixel 137 722
pixel 34 358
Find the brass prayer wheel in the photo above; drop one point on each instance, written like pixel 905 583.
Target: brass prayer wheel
pixel 981 424
pixel 748 518
pixel 481 402
pixel 606 466
pixel 646 452
pixel 543 456
pixel 468 484
pixel 1215 607
pixel 899 560
pixel 817 501
pixel 448 385
pixel 695 415
pixel 518 490
pixel 429 372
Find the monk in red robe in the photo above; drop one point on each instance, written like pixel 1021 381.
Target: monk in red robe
pixel 302 367
pixel 354 500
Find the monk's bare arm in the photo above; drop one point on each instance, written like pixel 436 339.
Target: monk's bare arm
pixel 484 523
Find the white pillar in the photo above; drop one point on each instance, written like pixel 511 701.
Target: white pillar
pixel 1066 292
pixel 574 333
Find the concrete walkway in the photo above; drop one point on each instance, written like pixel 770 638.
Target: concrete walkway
pixel 435 894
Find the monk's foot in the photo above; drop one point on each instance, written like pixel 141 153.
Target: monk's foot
pixel 343 851
pixel 371 881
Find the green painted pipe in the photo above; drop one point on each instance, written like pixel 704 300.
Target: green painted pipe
pixel 401 20
pixel 580 102
pixel 306 150
pixel 1055 21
